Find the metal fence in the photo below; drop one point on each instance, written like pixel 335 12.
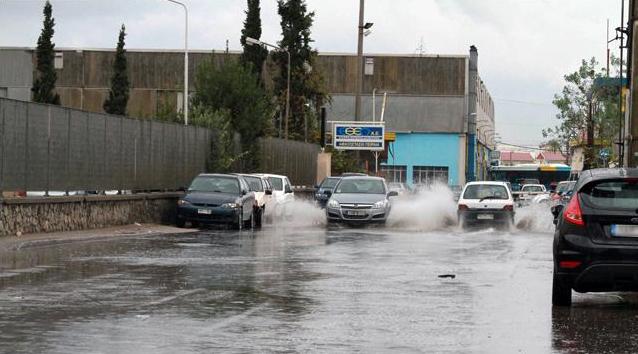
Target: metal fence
pixel 295 159
pixel 50 148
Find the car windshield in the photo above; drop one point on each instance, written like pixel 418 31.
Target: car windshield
pixel 215 184
pixel 329 182
pixel 254 183
pixel 365 186
pixel 617 194
pixel 565 187
pixel 277 183
pixel 485 191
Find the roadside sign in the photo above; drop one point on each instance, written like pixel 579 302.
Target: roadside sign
pixel 359 136
pixel 390 136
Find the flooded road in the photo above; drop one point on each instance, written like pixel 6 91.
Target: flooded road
pixel 302 289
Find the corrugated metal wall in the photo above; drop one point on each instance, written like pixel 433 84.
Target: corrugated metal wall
pixel 294 159
pixel 47 147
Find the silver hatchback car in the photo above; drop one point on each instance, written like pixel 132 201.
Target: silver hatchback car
pixel 359 200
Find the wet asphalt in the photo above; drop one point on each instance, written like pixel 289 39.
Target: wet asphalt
pixel 303 289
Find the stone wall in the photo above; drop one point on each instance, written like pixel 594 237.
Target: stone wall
pixel 52 214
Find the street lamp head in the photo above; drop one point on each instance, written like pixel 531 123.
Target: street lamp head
pixel 368 25
pixel 253 41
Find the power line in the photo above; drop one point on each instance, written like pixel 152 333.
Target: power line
pixel 522 102
pixel 520 146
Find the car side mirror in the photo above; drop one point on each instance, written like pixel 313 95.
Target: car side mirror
pixel 268 191
pixel 393 194
pixel 288 190
pixel 244 192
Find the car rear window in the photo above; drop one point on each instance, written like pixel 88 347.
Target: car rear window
pixel 616 194
pixel 485 191
pixel 255 184
pixel 277 183
pixel 532 189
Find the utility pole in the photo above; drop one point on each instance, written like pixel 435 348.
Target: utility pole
pixel 589 150
pixel 359 88
pixel 631 130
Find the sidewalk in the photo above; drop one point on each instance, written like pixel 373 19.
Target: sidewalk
pixel 13 243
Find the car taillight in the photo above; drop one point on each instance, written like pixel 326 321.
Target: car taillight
pixel 569 264
pixel 509 207
pixel 463 207
pixel 572 213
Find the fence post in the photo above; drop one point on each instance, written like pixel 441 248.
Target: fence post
pixel 68 152
pixel 4 110
pixel 46 193
pixel 26 151
pixel 120 164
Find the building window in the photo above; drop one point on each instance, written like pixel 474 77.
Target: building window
pixel 394 173
pixel 428 175
pixel 58 62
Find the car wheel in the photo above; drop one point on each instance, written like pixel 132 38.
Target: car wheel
pixel 250 223
pixel 180 223
pixel 238 225
pixel 561 291
pixel 259 218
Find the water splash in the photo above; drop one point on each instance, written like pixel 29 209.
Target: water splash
pixel 430 209
pixel 297 213
pixel 535 217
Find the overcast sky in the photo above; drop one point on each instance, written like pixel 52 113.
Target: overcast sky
pixel 525 46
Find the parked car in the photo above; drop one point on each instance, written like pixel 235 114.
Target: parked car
pixel 400 188
pixel 529 191
pixel 263 195
pixel 486 203
pixel 596 238
pixel 360 199
pixel 324 190
pixel 217 199
pixel 282 194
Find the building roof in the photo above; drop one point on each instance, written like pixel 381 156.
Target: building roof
pixel 516 156
pixel 551 156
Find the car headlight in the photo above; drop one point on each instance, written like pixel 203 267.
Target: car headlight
pixel 380 204
pixel 183 202
pixel 333 203
pixel 230 205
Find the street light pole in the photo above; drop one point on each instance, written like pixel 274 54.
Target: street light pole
pixel 253 41
pixel 359 88
pixel 185 59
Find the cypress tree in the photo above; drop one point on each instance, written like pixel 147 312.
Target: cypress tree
pixel 253 55
pixel 307 86
pixel 119 93
pixel 44 84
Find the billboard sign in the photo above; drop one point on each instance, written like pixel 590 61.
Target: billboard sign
pixel 359 136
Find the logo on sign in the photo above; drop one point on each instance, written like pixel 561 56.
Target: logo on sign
pixel 353 131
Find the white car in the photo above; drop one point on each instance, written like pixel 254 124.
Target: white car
pixel 486 203
pixel 530 191
pixel 282 193
pixel 263 195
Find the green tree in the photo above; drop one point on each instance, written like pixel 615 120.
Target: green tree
pixel 45 78
pixel 253 55
pixel 583 93
pixel 308 91
pixel 119 93
pixel 230 99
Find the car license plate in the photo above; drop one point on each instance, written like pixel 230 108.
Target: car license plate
pixel 204 211
pixel 355 213
pixel 485 217
pixel 624 230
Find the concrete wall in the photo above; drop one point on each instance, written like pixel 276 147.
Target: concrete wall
pixel 35 215
pixel 16 74
pixel 406 113
pixel 423 149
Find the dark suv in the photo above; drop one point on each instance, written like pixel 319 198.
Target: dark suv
pixel 596 238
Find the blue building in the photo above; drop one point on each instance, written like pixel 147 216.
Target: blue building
pixel 439 109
